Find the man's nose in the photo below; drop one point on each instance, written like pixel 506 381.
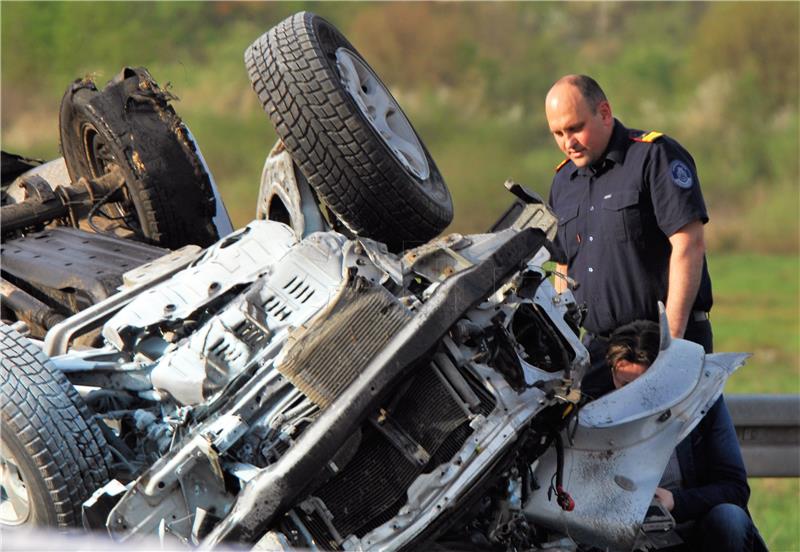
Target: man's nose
pixel 569 141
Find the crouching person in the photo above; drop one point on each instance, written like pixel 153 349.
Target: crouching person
pixel 704 485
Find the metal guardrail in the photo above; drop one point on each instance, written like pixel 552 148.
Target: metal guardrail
pixel 768 428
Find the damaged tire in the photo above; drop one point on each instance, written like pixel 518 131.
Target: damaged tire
pixel 130 124
pixel 347 133
pixel 52 452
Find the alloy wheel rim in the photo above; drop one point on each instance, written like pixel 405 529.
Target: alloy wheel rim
pixel 15 503
pixel 382 112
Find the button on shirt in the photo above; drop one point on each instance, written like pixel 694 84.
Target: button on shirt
pixel 614 222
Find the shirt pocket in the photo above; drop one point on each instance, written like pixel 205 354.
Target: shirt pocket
pixel 568 230
pixel 622 217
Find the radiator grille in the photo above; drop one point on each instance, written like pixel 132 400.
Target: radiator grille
pixel 369 485
pixel 371 489
pixel 331 354
pixel 428 412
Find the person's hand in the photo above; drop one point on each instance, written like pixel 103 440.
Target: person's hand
pixel 665 497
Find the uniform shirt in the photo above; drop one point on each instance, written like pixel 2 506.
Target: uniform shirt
pixel 614 222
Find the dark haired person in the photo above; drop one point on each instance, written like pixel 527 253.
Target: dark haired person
pixel 630 222
pixel 705 480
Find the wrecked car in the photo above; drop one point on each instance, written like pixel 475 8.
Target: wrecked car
pixel 335 376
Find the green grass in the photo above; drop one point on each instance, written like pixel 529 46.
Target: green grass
pixel 774 507
pixel 756 300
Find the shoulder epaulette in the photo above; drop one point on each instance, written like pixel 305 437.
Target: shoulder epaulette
pixel 647 137
pixel 561 165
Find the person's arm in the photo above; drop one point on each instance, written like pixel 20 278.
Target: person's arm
pixel 725 478
pixel 685 272
pixel 560 283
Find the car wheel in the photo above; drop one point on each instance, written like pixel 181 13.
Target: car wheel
pixel 130 125
pixel 347 133
pixel 53 455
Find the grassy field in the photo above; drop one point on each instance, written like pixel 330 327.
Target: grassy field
pixel 756 310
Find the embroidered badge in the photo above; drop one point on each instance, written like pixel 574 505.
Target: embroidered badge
pixel 681 175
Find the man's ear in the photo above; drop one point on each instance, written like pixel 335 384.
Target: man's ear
pixel 604 109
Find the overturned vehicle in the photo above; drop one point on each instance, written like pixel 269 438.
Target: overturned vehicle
pixel 328 378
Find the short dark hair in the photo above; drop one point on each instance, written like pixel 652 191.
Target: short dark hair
pixel 638 341
pixel 589 89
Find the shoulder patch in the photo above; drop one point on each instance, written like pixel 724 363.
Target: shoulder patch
pixel 561 165
pixel 681 174
pixel 647 137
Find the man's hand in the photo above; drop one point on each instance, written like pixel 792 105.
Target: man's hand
pixel 685 272
pixel 665 497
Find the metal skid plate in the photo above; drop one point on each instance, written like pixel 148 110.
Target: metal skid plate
pixel 237 259
pixel 294 291
pixel 72 260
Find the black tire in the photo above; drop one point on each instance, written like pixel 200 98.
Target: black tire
pixel 132 125
pixel 294 71
pixel 48 433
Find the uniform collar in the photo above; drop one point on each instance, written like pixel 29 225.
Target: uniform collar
pixel 615 152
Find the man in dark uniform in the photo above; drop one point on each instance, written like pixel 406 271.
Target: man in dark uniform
pixel 630 228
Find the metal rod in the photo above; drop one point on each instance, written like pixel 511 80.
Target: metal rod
pixel 27 307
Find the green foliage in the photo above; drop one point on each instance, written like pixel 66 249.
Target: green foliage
pixel 758 39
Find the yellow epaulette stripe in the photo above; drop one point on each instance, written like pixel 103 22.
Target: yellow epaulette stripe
pixel 564 162
pixel 651 136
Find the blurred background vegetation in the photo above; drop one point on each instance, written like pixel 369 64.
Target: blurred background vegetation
pixel 720 77
pixel 723 78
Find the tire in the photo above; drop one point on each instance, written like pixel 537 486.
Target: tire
pixel 48 439
pixel 130 124
pixel 375 175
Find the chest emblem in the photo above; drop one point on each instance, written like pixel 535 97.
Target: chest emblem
pixel 681 175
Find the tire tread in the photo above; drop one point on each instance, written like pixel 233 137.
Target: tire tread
pixel 55 426
pixel 323 130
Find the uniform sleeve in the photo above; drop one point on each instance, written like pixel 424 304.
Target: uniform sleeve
pixel 674 187
pixel 725 480
pixel 557 251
